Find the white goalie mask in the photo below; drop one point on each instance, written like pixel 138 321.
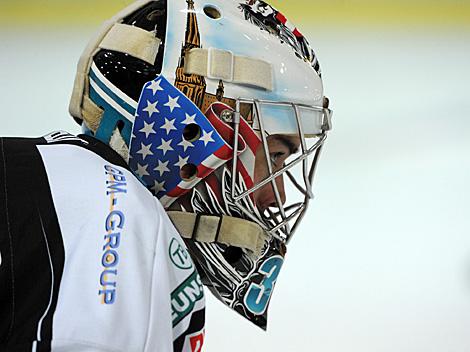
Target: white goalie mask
pixel 218 107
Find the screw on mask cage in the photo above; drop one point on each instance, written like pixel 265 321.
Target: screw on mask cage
pixel 278 224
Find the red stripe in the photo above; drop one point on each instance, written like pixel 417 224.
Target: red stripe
pixel 250 137
pixel 241 169
pixel 213 182
pixel 225 152
pixel 203 171
pixel 247 133
pixel 297 33
pixel 246 177
pixel 177 192
pixel 280 17
pixel 214 185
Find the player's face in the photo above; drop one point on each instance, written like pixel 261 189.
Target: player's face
pixel 280 148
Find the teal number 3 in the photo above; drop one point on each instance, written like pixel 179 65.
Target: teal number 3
pixel 258 295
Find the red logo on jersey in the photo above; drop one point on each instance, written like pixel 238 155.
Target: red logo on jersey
pixel 196 341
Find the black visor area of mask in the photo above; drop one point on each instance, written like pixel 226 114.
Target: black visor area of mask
pixel 128 73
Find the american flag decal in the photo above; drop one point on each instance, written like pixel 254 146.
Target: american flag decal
pixel 158 149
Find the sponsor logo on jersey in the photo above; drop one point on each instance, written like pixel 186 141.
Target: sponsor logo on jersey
pixel 194 342
pixel 114 224
pixel 197 342
pixel 179 255
pixel 185 296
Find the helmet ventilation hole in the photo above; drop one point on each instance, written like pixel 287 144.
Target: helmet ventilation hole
pixel 212 12
pixel 192 132
pixel 233 254
pixel 188 172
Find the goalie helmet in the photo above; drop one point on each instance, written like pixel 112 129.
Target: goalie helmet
pixel 218 107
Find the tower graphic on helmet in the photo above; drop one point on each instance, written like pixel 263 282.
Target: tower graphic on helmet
pixel 192 85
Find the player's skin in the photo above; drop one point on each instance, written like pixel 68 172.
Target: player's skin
pixel 280 148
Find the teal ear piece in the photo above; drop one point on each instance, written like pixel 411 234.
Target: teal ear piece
pixel 111 118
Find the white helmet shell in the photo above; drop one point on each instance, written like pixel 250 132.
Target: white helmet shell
pixel 228 26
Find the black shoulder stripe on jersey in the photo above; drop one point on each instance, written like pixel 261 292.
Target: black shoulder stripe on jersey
pixel 87 142
pixel 37 246
pixel 103 150
pixel 7 298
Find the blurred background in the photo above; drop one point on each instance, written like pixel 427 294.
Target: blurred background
pixel 382 262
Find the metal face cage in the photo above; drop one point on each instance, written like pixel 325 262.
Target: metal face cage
pixel 282 220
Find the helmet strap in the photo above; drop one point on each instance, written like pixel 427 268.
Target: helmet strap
pixel 222 229
pixel 110 121
pixel 118 144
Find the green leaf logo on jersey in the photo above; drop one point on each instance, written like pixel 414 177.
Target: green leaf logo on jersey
pixel 179 255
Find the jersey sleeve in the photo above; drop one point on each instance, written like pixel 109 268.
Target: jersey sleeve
pixel 89 259
pixel 31 248
pixel 128 279
pixel 178 293
pixel 6 303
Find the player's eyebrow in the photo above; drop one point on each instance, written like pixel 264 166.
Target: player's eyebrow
pixel 287 142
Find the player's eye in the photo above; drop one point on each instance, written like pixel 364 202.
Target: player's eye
pixel 276 158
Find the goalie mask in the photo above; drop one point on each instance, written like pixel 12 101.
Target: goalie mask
pixel 218 108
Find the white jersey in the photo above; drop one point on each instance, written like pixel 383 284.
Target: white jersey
pixel 117 277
